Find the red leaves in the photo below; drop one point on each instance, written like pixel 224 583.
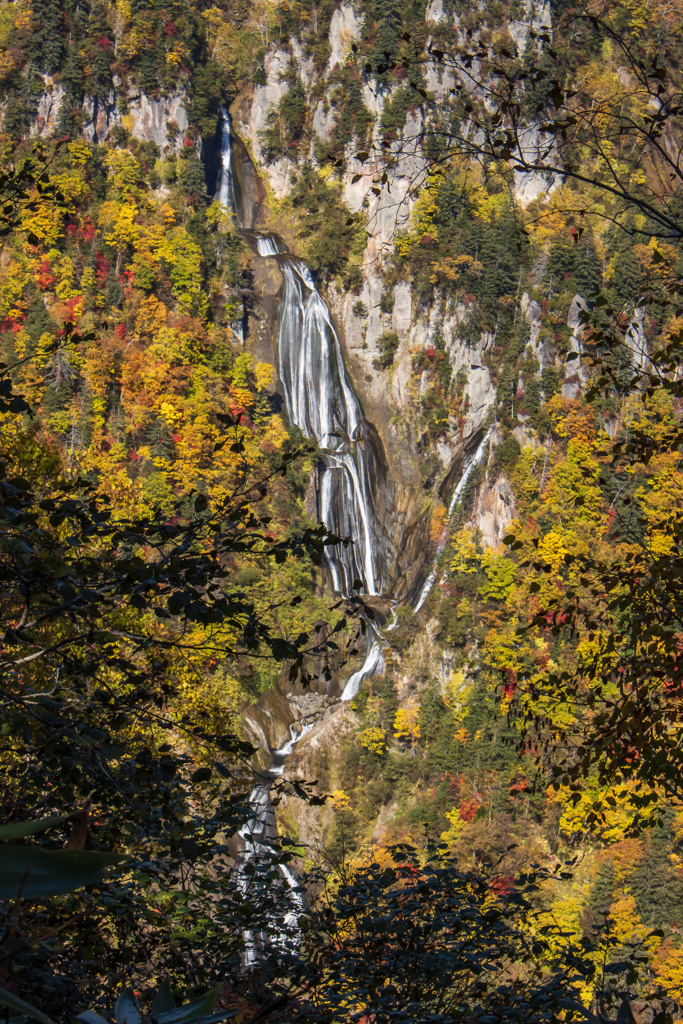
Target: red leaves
pixel 102 268
pixel 44 277
pixel 468 809
pixel 502 884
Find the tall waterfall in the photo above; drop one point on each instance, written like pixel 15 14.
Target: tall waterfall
pixel 320 400
pixel 227 195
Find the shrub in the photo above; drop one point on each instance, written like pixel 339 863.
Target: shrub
pixel 388 345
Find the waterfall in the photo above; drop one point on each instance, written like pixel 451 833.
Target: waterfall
pixel 266 245
pixel 320 400
pixel 472 462
pixel 227 195
pixel 374 662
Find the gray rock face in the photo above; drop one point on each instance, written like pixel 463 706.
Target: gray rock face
pixel 537 17
pixel 146 118
pixel 635 338
pixel 345 28
pixel 537 147
pixel 435 12
pixel 48 108
pixel 575 375
pixel 495 510
pixel 151 119
pixel 253 119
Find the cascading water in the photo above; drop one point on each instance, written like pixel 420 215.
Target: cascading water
pixel 470 465
pixel 255 837
pixel 227 195
pixel 320 401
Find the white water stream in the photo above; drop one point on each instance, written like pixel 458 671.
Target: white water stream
pixel 470 465
pixel 255 836
pixel 227 196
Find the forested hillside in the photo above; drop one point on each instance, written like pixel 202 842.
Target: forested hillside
pixel 340 434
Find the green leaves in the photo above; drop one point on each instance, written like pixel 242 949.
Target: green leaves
pixel 34 873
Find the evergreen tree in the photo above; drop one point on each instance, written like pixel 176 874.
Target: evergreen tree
pixel 389 16
pixel 587 269
pixel 47 44
pixel 560 265
pixel 627 276
pixel 601 894
pixel 658 893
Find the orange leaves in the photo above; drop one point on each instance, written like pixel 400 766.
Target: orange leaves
pixel 152 316
pixel 572 419
pixel 437 523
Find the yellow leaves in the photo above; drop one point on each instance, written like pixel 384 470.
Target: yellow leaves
pixel 125 179
pixel 168 215
pixel 504 648
pixel 615 805
pixel 275 434
pixel 626 921
pixel 88 280
pixel 489 207
pixel 373 739
pixel 64 270
pixel 241 370
pixel 242 396
pixel 265 376
pixel 457 693
pixel 184 259
pixel 219 215
pixel 13 281
pixel 151 317
pixel 74 186
pixel 340 800
pixel 456 829
pixel 466 559
pixel 24 15
pixel 437 523
pixel 118 223
pixel 167 345
pixel 668 971
pixel 124 10
pixel 174 59
pixel 214 699
pixel 170 414
pixel 407 724
pixel 500 575
pixel 552 548
pixel 79 154
pixel 565 912
pixel 524 481
pixel 424 213
pixel 45 222
pixel 571 419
